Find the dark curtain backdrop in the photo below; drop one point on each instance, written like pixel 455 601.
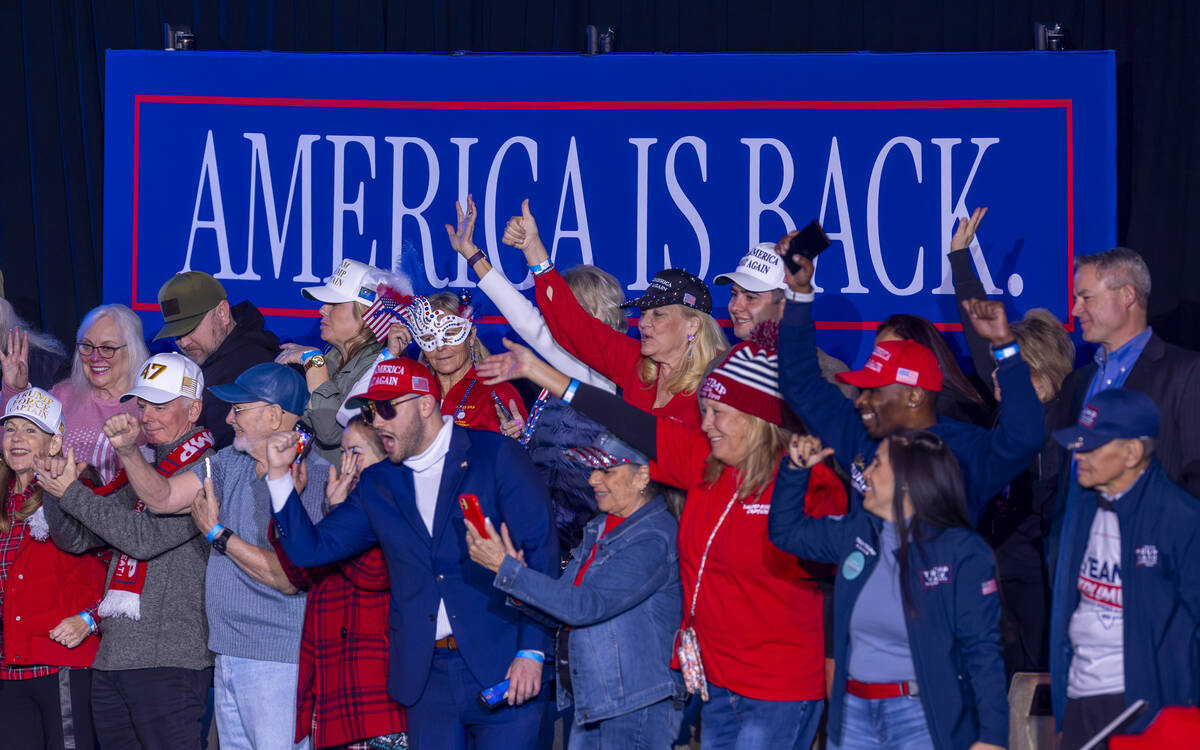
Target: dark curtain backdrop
pixel 52 76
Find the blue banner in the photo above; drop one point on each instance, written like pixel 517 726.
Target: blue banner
pixel 266 170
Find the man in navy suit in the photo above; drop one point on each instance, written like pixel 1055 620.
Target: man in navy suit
pixel 451 634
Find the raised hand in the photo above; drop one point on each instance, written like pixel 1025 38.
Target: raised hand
pixel 806 451
pixel 522 233
pixel 965 232
pixel 205 508
pixel 14 360
pixel 503 366
pixel 56 474
pixel 462 233
pixel 800 281
pixel 989 319
pixel 513 427
pixel 281 451
pixel 398 339
pixel 340 482
pixel 122 432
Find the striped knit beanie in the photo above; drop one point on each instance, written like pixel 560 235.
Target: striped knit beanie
pixel 748 378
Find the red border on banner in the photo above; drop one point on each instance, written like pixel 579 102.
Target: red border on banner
pixel 266 101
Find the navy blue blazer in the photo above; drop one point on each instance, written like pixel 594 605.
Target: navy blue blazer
pixel 424 569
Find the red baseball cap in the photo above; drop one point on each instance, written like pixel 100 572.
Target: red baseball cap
pixel 394 378
pixel 905 362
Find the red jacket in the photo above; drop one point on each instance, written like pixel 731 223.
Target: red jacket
pixel 344 650
pixel 44 586
pixel 759 613
pixel 614 355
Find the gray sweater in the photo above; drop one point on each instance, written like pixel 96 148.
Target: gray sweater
pixel 172 631
pixel 325 401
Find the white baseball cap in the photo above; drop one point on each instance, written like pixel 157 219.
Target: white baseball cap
pixel 38 407
pixel 351 282
pixel 165 377
pixel 759 270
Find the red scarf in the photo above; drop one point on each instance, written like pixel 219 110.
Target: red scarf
pixel 125 590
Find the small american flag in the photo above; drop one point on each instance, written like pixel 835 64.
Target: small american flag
pixel 988 586
pixel 387 309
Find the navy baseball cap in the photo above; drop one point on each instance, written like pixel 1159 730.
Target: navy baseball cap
pixel 1115 414
pixel 606 452
pixel 270 382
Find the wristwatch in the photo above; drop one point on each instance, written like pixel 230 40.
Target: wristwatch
pixel 316 360
pixel 222 539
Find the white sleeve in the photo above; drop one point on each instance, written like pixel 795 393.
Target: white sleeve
pixel 344 415
pixel 281 490
pixel 527 321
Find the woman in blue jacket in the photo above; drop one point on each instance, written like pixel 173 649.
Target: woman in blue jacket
pixel 619 599
pixel 919 663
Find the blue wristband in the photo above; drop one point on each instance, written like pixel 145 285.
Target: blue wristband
pixel 214 532
pixel 570 392
pixel 1006 351
pixel 86 617
pixel 533 655
pixel 307 355
pixel 542 267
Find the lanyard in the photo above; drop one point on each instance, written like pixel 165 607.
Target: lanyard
pixel 704 557
pixel 461 413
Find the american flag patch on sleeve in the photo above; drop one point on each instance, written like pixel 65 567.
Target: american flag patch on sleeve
pixel 988 586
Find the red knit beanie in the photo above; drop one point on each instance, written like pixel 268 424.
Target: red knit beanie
pixel 748 378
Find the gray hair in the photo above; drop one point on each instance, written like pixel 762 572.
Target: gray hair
pixel 598 292
pixel 129 329
pixel 37 339
pixel 1118 267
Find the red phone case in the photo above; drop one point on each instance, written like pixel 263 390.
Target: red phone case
pixel 474 514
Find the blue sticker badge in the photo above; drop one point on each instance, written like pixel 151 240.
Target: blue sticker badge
pixel 853 565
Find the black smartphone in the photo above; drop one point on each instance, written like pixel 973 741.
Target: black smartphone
pixel 810 242
pixel 508 417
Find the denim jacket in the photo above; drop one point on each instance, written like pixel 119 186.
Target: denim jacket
pixel 623 616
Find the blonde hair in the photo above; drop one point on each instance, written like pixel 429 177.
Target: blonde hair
pixel 1046 346
pixel 598 292
pixel 448 303
pixel 363 339
pixel 765 445
pixel 708 343
pixel 31 504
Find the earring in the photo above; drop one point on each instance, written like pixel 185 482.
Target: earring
pixel 691 338
pixel 474 360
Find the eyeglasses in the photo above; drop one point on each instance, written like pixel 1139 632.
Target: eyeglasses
pixel 106 352
pixel 382 409
pixel 237 410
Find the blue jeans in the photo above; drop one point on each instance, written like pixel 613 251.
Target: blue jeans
pixel 653 727
pixel 449 716
pixel 256 704
pixel 735 722
pixel 883 724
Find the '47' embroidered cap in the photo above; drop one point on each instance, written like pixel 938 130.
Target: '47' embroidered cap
pixel 165 377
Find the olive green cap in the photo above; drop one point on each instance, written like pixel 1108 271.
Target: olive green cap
pixel 185 299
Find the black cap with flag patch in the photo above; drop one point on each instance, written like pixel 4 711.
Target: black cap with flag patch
pixel 674 286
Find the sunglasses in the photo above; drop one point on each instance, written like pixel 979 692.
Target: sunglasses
pixel 382 409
